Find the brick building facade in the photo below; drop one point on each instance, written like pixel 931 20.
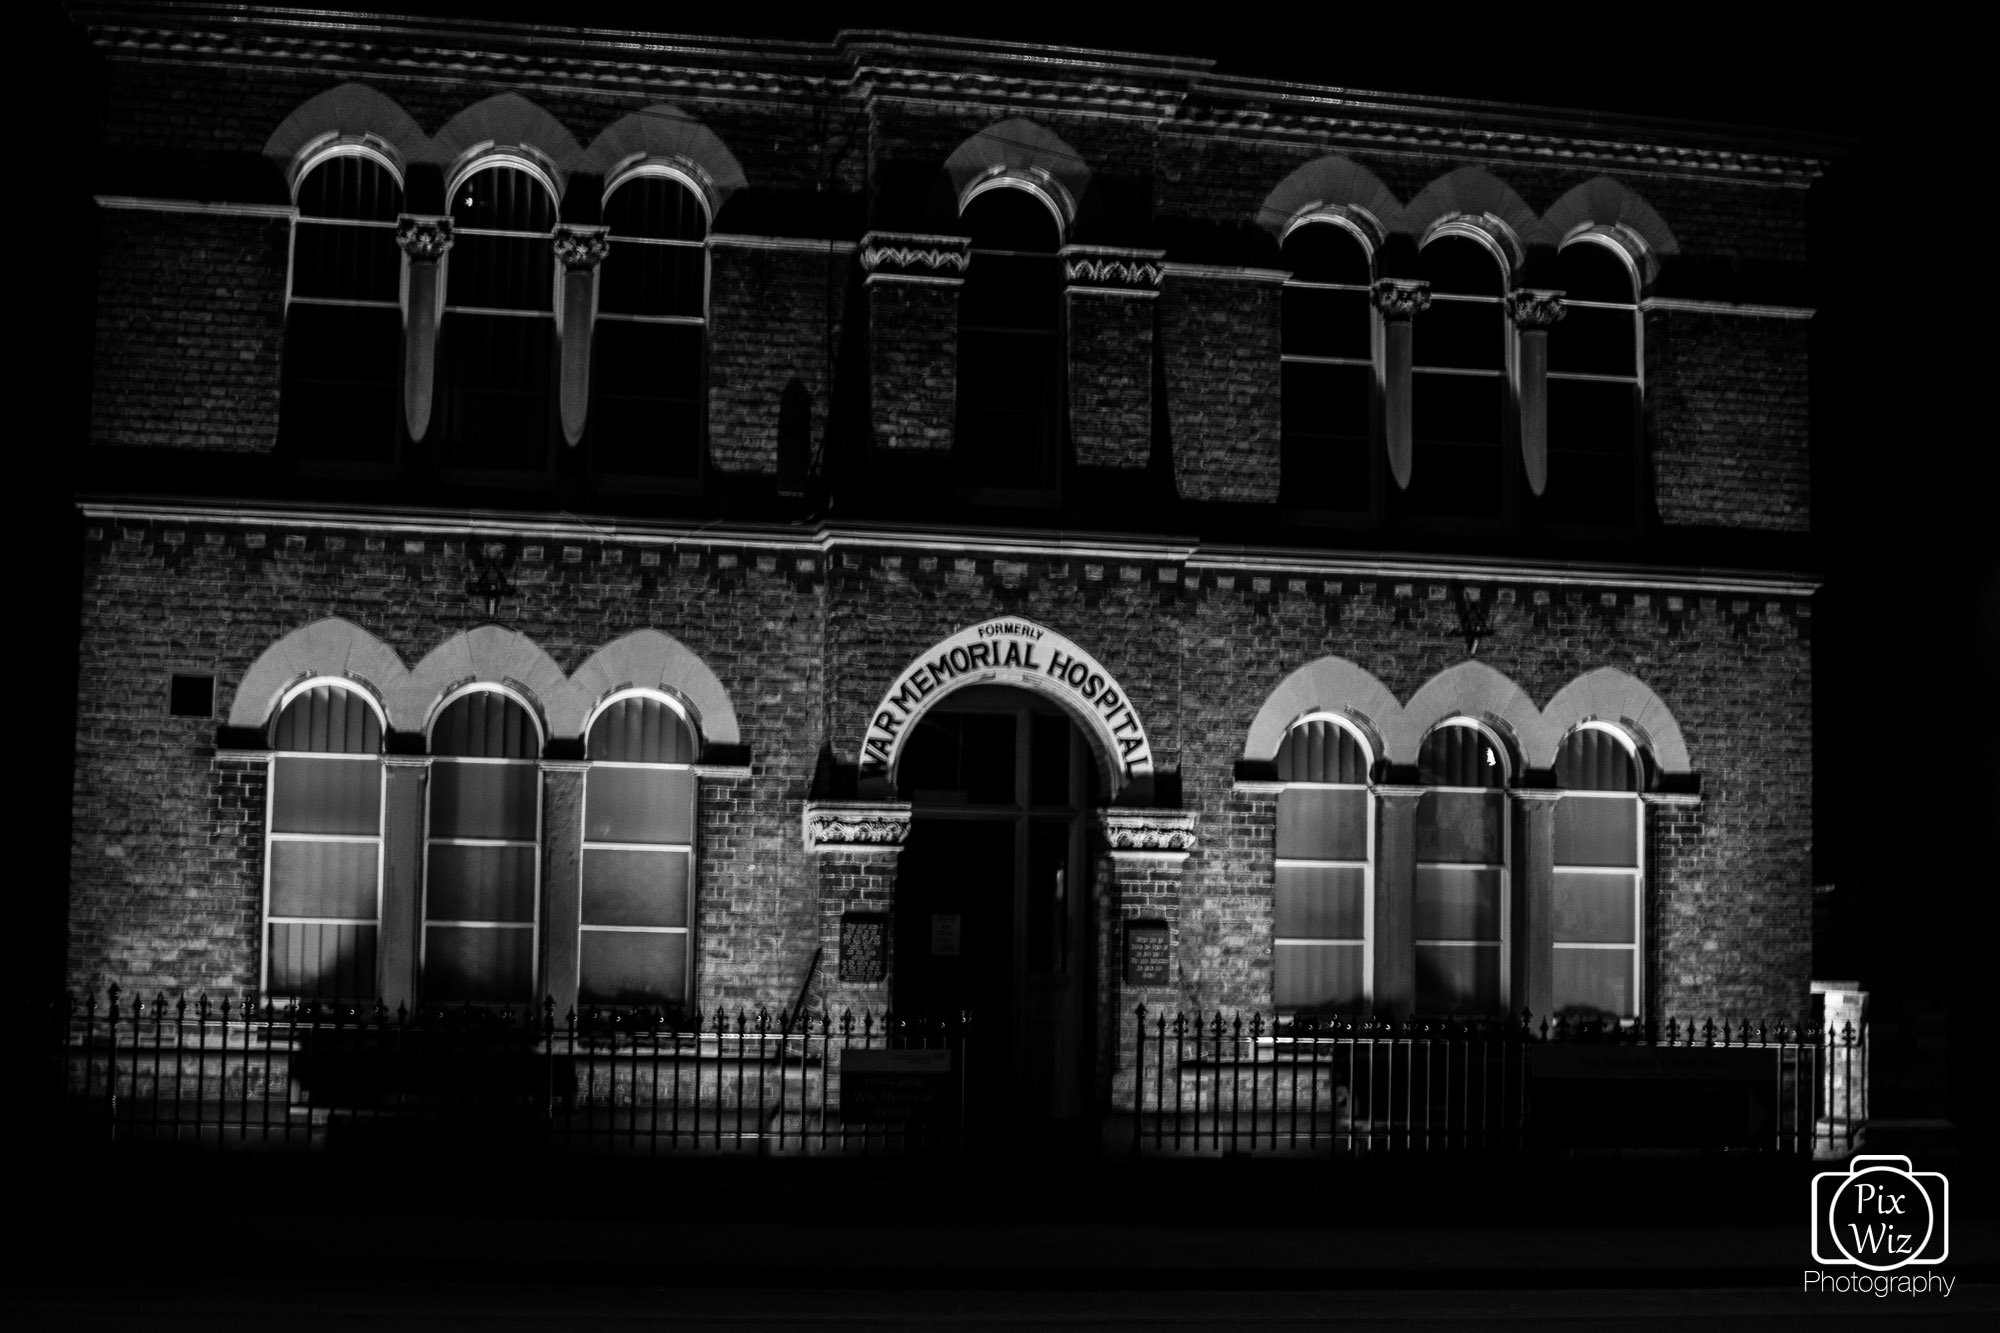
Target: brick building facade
pixel 1356 734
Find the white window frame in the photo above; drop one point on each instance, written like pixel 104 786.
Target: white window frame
pixel 1505 944
pixel 424 919
pixel 1637 870
pixel 272 836
pixel 688 849
pixel 1367 867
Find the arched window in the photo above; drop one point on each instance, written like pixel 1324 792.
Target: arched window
pixel 1459 917
pixel 496 348
pixel 652 296
pixel 1009 344
pixel 343 321
pixel 1599 844
pixel 639 806
pixel 1459 382
pixel 1328 348
pixel 1323 918
pixel 323 860
pixel 1594 388
pixel 482 864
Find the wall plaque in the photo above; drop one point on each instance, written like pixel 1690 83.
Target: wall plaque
pixel 864 946
pixel 947 931
pixel 1148 954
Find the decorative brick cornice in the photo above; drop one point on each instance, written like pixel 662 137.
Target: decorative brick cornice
pixel 423 238
pixel 582 247
pixel 856 826
pixel 889 256
pixel 1113 271
pixel 1533 309
pixel 1400 298
pixel 1147 832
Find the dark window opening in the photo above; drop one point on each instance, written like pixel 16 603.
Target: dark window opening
pixel 1594 408
pixel 647 383
pixel 1326 389
pixel 1459 385
pixel 191 696
pixel 1009 346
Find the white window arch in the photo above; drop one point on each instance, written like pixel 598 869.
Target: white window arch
pixel 641 803
pixel 1323 911
pixel 1598 907
pixel 1461 922
pixel 482 848
pixel 323 842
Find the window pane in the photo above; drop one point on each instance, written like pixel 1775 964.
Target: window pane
pixel 639 279
pixel 1021 292
pixel 655 206
pixel 1592 759
pixel 351 187
pixel 632 967
pixel 1323 825
pixel 483 800
pixel 641 730
pixel 1461 826
pixel 639 805
pixel 1458 978
pixel 501 272
pixel 484 725
pixel 634 888
pixel 1318 322
pixel 480 883
pixel 1321 902
pixel 470 963
pixel 1459 409
pixel 502 198
pixel 1593 341
pixel 324 879
pixel 1326 252
pixel 340 397
pixel 322 962
pixel 1455 480
pixel 1010 219
pixel 326 796
pixel 646 399
pixel 1325 413
pixel 340 262
pixel 495 374
pixel 1589 271
pixel 1006 409
pixel 1593 982
pixel 1461 264
pixel 1460 756
pixel 1466 334
pixel 1312 976
pixel 1321 751
pixel 329 719
pixel 1048 898
pixel 1048 760
pixel 1455 904
pixel 1594 909
pixel 1596 831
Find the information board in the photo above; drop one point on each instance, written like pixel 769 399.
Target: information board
pixel 896 1087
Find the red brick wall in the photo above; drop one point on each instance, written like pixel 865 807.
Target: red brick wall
pixel 1726 410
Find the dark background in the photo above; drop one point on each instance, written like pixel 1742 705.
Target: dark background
pixel 1907 627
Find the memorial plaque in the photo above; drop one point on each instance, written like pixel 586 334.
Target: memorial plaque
pixel 947 931
pixel 1148 953
pixel 864 946
pixel 896 1087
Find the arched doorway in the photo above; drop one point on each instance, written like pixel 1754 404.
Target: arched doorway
pixel 992 895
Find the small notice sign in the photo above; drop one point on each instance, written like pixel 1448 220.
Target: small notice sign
pixel 864 946
pixel 896 1086
pixel 947 933
pixel 1148 953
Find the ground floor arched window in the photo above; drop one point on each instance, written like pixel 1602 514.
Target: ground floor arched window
pixel 1598 909
pixel 1323 913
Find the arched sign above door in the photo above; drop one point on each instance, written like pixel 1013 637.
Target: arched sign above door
pixel 1011 651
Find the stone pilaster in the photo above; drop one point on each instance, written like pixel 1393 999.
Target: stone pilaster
pixel 1395 899
pixel 1534 902
pixel 425 241
pixel 1399 300
pixel 562 878
pixel 398 948
pixel 856 846
pixel 579 252
pixel 1534 313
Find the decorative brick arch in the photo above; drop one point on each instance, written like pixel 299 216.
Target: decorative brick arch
pixel 1610 695
pixel 648 659
pixel 1332 685
pixel 508 121
pixel 669 136
pixel 1021 149
pixel 489 655
pixel 1612 208
pixel 349 113
pixel 1468 689
pixel 329 647
pixel 1476 195
pixel 1332 184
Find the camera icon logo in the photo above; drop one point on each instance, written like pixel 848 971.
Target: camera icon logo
pixel 1880 1215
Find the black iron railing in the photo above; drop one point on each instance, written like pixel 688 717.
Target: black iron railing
pixel 1210 1083
pixel 231 1074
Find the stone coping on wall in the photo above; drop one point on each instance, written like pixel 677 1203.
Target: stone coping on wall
pixel 856 826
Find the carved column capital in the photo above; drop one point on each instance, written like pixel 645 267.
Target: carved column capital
pixel 856 826
pixel 1153 833
pixel 1400 298
pixel 1113 271
pixel 895 256
pixel 1532 309
pixel 423 238
pixel 582 248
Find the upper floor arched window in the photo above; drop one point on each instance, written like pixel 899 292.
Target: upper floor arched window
pixel 1323 913
pixel 1594 388
pixel 1010 346
pixel 1459 381
pixel 323 854
pixel 496 348
pixel 482 863
pixel 1327 344
pixel 652 301
pixel 343 320
pixel 1598 914
pixel 1459 918
pixel 640 802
